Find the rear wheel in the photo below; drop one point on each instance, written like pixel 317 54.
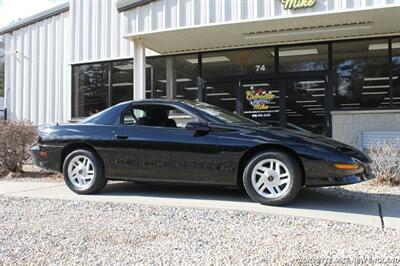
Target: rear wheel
pixel 272 178
pixel 83 172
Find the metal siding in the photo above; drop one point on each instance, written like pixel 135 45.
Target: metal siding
pixel 179 13
pixel 37 76
pixel 370 139
pixel 97 30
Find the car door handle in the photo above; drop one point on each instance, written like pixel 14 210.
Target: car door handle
pixel 122 137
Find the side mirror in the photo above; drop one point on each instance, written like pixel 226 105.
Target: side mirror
pixel 200 128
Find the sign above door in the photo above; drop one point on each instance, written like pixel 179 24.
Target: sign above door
pixel 298 4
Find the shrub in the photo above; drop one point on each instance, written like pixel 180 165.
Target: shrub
pixel 15 140
pixel 386 161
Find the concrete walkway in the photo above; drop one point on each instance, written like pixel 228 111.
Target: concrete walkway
pixel 309 204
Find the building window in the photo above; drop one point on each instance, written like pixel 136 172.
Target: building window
pixel 91 90
pixel 98 86
pixel 238 62
pixel 121 81
pixel 396 71
pixel 223 95
pixel 362 74
pixel 155 71
pixel 172 77
pixel 303 58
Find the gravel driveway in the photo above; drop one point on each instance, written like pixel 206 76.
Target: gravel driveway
pixel 39 231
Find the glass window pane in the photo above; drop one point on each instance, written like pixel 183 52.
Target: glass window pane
pixel 303 58
pixel 362 76
pixel 180 118
pixel 396 71
pixel 305 104
pixel 186 76
pixel 90 89
pixel 133 115
pixel 223 95
pixel 121 81
pixel 172 77
pixel 239 62
pixel 261 101
pixel 155 75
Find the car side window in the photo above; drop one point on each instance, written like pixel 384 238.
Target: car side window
pixel 132 116
pixel 180 118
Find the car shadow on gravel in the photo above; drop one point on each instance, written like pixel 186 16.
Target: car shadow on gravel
pixel 318 199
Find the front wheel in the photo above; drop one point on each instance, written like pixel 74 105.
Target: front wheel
pixel 272 178
pixel 83 172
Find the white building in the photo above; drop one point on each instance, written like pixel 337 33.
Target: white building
pixel 331 66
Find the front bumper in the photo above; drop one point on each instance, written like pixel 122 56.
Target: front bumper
pixel 343 177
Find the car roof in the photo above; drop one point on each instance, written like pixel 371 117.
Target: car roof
pixel 158 100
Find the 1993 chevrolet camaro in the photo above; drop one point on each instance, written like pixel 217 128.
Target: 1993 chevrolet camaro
pixel 193 142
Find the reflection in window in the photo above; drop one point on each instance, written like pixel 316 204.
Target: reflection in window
pixel 362 76
pixel 305 104
pixel 172 77
pixel 155 71
pixel 303 58
pixel 396 71
pixel 223 95
pixel 90 94
pixel 121 81
pixel 239 62
pixel 186 75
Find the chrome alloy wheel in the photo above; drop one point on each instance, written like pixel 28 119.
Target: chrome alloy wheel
pixel 271 178
pixel 81 172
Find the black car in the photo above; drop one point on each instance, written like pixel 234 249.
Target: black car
pixel 192 142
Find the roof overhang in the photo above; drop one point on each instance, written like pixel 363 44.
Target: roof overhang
pixel 123 5
pixel 296 29
pixel 35 18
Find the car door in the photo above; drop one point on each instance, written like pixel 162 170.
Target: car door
pixel 164 153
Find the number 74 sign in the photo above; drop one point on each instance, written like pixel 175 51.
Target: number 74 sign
pixel 261 68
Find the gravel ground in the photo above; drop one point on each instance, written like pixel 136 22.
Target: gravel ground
pixel 40 231
pixel 369 191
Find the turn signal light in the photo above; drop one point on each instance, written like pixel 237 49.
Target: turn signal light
pixel 351 166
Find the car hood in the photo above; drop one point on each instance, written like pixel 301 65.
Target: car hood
pixel 302 135
pixel 308 137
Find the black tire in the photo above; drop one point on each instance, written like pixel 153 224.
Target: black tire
pixel 99 180
pixel 293 168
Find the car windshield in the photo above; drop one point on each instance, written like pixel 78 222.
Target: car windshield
pixel 220 115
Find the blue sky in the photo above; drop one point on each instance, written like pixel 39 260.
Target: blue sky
pixel 12 10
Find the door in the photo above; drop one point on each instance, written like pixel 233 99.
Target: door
pixel 285 101
pixel 163 153
pixel 261 101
